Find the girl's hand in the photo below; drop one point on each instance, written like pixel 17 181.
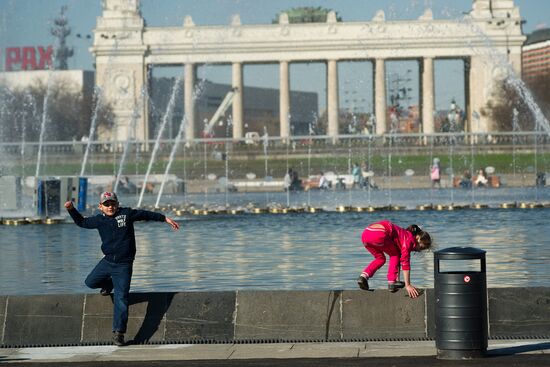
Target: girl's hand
pixel 175 226
pixel 68 205
pixel 412 291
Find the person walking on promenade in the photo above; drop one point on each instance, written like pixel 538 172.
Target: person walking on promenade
pixel 435 173
pixel 384 237
pixel 356 174
pixel 114 272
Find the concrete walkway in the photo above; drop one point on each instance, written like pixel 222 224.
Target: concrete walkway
pixel 534 351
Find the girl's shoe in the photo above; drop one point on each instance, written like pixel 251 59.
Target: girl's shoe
pixel 363 283
pixel 395 286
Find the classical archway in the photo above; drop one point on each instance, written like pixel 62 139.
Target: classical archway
pixel 124 47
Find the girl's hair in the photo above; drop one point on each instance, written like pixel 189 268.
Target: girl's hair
pixel 424 238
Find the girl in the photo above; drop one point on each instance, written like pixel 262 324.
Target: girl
pixel 386 237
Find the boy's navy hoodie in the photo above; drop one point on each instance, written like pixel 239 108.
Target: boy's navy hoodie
pixel 116 232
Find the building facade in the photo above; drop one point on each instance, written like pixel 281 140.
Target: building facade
pixel 124 48
pixel 536 55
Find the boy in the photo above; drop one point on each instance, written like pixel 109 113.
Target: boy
pixel 114 271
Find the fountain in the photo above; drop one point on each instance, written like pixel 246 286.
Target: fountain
pixel 131 127
pixel 228 126
pixel 167 117
pixel 392 159
pixel 44 120
pixel 91 134
pixel 267 176
pixel 400 160
pixel 179 137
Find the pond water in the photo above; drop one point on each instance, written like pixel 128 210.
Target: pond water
pixel 272 251
pixel 331 199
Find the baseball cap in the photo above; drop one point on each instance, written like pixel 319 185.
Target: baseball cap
pixel 108 196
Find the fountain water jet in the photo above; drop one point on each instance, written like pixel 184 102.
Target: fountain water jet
pixel 31 103
pixel 226 160
pixel 167 117
pixel 515 128
pixel 44 118
pixel 98 97
pixel 177 142
pixel 512 79
pixel 179 137
pixel 265 144
pixel 131 130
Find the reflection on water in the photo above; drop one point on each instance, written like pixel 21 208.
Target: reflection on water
pixel 293 251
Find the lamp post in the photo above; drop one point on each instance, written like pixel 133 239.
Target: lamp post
pixel 400 91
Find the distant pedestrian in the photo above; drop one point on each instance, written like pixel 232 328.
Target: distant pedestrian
pixel 324 183
pixel 481 179
pixel 435 173
pixel 114 271
pixel 287 180
pixel 356 174
pixel 384 237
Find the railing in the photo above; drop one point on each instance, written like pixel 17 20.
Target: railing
pixel 386 155
pixel 438 140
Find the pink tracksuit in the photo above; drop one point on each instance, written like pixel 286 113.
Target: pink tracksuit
pixel 393 240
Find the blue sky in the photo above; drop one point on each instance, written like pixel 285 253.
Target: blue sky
pixel 27 22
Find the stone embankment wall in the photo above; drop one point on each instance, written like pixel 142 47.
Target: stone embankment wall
pixel 258 316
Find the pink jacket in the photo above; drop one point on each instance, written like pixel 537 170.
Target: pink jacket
pixel 399 237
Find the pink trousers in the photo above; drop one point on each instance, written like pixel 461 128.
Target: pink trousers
pixel 378 244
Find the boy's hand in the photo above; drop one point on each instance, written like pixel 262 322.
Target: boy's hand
pixel 175 226
pixel 69 205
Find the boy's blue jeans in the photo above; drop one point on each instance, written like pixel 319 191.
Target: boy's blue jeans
pixel 116 276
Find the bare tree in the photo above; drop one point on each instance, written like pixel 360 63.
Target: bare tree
pixel 501 111
pixel 68 114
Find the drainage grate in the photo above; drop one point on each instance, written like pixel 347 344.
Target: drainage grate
pixel 262 341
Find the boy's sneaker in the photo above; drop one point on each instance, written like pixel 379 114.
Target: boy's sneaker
pixel 105 291
pixel 395 286
pixel 363 283
pixel 118 338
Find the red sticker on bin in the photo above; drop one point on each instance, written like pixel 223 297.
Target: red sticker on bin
pixel 467 279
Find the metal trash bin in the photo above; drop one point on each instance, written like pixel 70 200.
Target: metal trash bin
pixel 48 197
pixel 460 303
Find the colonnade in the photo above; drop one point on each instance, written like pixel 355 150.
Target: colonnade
pixel 124 47
pixel 333 103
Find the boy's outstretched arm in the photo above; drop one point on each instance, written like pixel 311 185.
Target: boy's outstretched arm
pixel 78 219
pixel 137 215
pixel 175 226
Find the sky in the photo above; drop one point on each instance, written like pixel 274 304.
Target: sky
pixel 27 23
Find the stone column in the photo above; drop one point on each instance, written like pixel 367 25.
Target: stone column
pixel 479 86
pixel 428 95
pixel 332 98
pixel 237 100
pixel 467 107
pixel 284 99
pixel 189 100
pixel 380 96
